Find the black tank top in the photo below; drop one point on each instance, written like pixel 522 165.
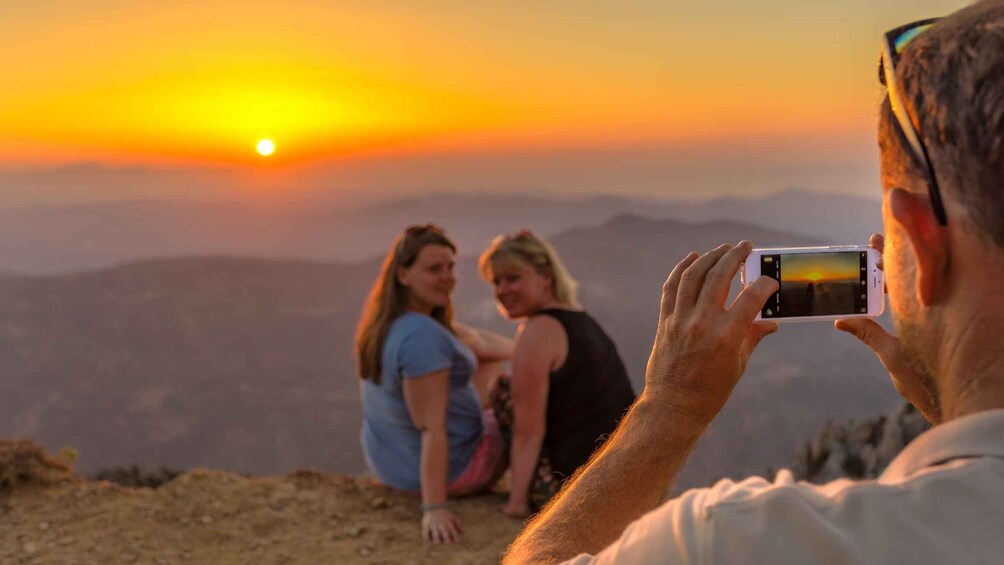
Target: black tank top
pixel 588 394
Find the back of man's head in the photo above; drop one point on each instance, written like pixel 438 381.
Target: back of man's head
pixel 952 83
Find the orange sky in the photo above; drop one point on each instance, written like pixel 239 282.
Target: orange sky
pixel 125 82
pixel 820 267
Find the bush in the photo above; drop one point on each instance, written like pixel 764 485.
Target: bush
pixel 23 462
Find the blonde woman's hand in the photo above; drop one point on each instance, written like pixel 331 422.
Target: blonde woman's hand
pixel 441 526
pixel 515 509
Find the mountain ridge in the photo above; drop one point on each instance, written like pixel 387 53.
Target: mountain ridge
pixel 246 364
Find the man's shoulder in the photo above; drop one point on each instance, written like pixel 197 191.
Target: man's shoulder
pixel 727 493
pixel 756 520
pixel 762 495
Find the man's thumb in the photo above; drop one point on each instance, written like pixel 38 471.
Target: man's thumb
pixel 756 332
pixel 868 331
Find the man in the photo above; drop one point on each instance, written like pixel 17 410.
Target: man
pixel 942 499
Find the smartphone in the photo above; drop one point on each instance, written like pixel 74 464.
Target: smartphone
pixel 819 283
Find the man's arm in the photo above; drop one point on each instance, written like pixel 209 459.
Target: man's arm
pixel 700 352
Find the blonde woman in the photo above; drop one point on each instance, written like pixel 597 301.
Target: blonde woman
pixel 569 386
pixel 426 383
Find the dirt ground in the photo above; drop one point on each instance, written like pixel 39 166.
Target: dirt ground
pixel 217 517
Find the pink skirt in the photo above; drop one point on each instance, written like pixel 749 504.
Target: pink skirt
pixel 487 464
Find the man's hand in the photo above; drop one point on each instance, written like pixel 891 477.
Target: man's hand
pixel 700 352
pixel 701 347
pixel 906 374
pixel 441 526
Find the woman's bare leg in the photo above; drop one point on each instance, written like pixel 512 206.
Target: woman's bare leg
pixel 484 379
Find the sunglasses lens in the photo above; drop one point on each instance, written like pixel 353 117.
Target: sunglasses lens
pixel 909 35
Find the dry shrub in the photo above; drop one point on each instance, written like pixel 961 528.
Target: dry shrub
pixel 23 462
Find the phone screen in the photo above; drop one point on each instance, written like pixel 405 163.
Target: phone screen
pixel 817 284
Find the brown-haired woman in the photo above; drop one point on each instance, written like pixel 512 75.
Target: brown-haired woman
pixel 427 382
pixel 569 386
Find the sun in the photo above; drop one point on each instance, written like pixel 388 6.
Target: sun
pixel 266 147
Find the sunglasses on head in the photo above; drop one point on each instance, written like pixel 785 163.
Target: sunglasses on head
pixel 422 229
pixel 893 44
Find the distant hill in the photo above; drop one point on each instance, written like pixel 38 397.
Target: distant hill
pixel 245 364
pixel 61 239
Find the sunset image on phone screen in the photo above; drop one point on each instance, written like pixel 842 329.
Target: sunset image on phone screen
pixel 817 284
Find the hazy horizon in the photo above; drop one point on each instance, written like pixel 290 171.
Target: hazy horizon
pixel 662 172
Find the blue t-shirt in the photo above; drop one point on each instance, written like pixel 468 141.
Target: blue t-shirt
pixel 418 345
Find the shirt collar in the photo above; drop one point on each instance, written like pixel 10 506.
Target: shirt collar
pixel 975 435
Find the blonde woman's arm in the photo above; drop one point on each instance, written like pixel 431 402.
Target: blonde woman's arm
pixel 487 346
pixel 538 345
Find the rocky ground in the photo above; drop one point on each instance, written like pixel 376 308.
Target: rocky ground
pixel 50 515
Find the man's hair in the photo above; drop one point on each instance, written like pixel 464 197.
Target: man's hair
pixel 952 80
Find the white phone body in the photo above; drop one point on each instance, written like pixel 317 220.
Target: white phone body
pixel 819 283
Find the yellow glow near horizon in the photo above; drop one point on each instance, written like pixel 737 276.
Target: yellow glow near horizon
pixel 820 267
pixel 266 147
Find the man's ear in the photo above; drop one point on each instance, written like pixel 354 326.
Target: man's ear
pixel 928 239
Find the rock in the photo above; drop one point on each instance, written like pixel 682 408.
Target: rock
pixel 365 551
pixel 30 548
pixel 859 449
pixel 206 519
pixel 379 503
pixel 43 526
pixel 355 531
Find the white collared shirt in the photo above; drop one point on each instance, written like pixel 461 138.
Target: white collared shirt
pixel 940 501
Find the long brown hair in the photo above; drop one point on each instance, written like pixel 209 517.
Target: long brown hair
pixel 388 299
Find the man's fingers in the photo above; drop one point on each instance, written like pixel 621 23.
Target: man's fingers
pixel 750 301
pixel 693 277
pixel 872 334
pixel 720 276
pixel 756 332
pixel 672 285
pixel 877 242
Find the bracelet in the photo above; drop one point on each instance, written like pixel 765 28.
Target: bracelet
pixel 427 507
